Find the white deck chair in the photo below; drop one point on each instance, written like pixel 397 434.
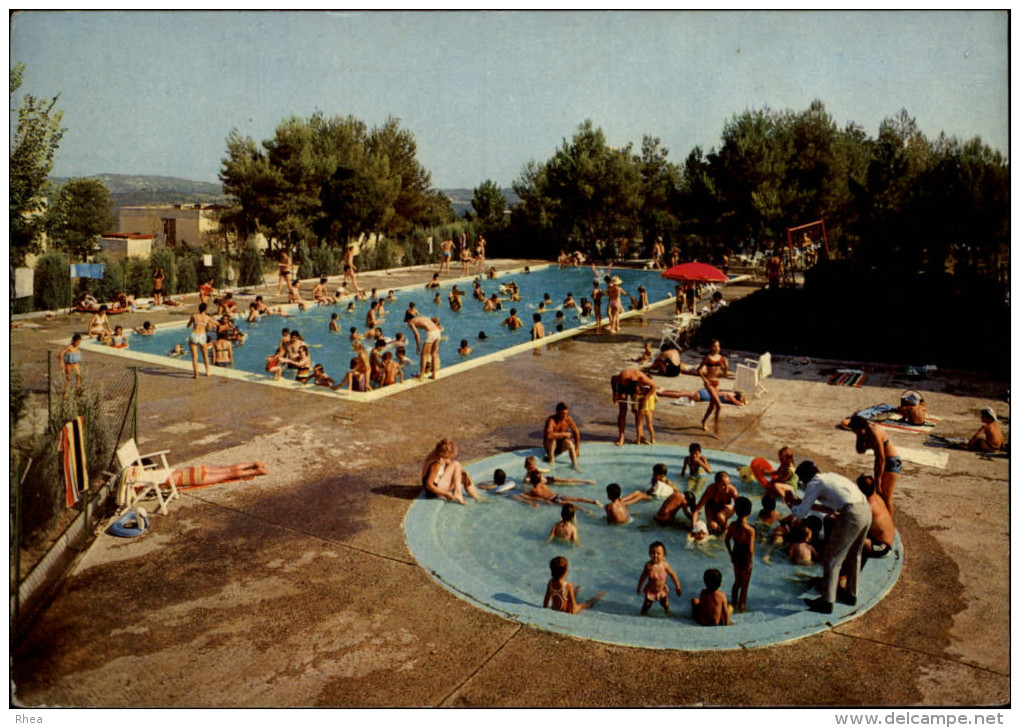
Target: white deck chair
pixel 139 480
pixel 747 380
pixel 763 366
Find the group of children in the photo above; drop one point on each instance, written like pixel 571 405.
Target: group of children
pixel 739 535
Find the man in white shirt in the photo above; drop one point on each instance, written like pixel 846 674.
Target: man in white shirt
pixel 833 493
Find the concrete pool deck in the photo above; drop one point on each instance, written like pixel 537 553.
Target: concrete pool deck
pixel 298 589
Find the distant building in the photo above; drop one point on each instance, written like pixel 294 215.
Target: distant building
pixel 118 246
pixel 171 226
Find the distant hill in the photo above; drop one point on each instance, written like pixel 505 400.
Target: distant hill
pixel 460 198
pixel 145 189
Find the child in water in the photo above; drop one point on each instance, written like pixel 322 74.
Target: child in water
pixel 711 609
pixel 661 486
pixel 740 537
pixel 653 577
pixel 695 462
pixel 464 349
pixel 616 509
pixel 560 594
pixel 800 551
pixel 499 482
pixel 566 529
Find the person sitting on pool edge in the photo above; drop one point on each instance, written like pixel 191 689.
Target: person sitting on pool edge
pixel 442 475
pixel 616 509
pixel 561 434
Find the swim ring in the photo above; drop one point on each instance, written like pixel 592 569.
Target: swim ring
pixel 761 469
pixel 131 524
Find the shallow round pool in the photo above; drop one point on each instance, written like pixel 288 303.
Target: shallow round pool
pixel 496 555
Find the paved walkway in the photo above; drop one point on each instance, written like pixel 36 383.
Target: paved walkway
pixel 297 588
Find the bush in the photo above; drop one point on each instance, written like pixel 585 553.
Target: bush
pixel 163 259
pixel 111 284
pixel 42 499
pixel 52 284
pixel 322 262
pixel 305 265
pixel 187 278
pixel 137 277
pixel 250 265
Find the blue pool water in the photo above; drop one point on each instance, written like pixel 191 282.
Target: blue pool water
pixel 496 554
pixel 333 350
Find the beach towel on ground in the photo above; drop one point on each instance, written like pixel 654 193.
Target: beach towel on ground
pixel 888 415
pixel 921 456
pixel 72 444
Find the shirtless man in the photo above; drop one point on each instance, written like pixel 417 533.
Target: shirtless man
pixel 284 281
pixel 513 321
pixel 429 349
pixel 887 461
pixel 675 503
pixel 321 295
pixel 200 323
pixel 625 387
pixel 446 248
pixel 717 501
pixel 712 368
pixel 658 251
pixel 561 434
pixel 882 532
pixel 989 438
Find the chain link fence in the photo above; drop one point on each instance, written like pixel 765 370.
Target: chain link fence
pixel 46 535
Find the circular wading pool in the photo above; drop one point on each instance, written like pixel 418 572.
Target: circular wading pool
pixel 496 555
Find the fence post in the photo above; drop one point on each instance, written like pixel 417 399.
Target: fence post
pixel 134 406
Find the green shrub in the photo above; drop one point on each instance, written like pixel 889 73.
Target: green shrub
pixel 163 259
pixel 52 282
pixel 137 277
pixel 250 266
pixel 322 262
pixel 304 262
pixel 187 278
pixel 111 284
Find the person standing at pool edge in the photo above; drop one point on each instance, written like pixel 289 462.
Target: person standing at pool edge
pixel 429 349
pixel 200 323
pixel 561 434
pixel 844 542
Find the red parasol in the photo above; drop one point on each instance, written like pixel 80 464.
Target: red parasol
pixel 700 272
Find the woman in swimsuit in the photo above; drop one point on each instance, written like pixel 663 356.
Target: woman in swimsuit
pixel 615 295
pixel 703 395
pixel 717 501
pixel 442 475
pixel 712 368
pixel 887 460
pixel 99 326
pixel 70 360
pixel 200 323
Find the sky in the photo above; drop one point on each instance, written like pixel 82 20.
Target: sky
pixel 482 92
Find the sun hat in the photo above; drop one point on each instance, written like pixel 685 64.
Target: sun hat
pixel 616 280
pixel 989 413
pixel 913 398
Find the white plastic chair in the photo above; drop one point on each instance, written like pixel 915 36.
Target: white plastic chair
pixel 140 479
pixel 747 380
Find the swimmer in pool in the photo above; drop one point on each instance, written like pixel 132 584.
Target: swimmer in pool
pixel 694 463
pixel 560 594
pixel 711 609
pixel 513 321
pixel 566 528
pixel 616 509
pixel 653 578
pixel 674 504
pixel 499 482
pixel 717 503
pixel 540 492
pixel 740 538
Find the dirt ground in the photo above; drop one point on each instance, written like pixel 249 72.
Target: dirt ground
pixel 297 588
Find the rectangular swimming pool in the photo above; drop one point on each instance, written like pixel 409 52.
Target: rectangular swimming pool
pixel 333 349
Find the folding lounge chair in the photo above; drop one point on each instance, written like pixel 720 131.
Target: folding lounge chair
pixel 140 478
pixel 763 366
pixel 747 380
